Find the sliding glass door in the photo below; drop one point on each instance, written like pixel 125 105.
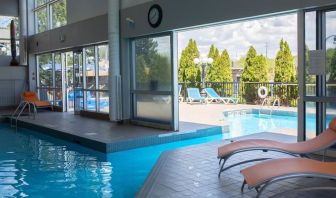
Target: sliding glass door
pixel 154 101
pixel 320 70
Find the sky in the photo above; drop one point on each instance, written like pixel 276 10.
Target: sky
pixel 239 36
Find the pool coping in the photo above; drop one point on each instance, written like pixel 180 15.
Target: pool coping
pixel 126 144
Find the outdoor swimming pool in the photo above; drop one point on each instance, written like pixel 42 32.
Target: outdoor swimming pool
pixel 251 123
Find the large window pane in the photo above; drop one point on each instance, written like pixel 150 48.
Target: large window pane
pixel 310 44
pixel 58 14
pixel 58 79
pixel 40 2
pixel 91 101
pixel 331 53
pixel 103 64
pixel 330 112
pixel 41 20
pixel 5 45
pixel 45 70
pixel 90 68
pixel 153 64
pixel 103 102
pixel 153 107
pixel 310 120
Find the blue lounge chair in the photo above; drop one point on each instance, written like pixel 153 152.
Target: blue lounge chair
pixel 212 96
pixel 194 96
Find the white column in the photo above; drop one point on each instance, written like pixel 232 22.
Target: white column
pixel 23 31
pixel 114 54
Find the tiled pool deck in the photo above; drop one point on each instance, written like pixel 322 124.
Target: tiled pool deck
pixel 192 172
pixel 108 137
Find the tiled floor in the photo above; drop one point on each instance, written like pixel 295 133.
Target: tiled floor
pixel 100 134
pixel 192 172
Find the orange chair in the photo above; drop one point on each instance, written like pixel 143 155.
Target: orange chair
pixel 31 97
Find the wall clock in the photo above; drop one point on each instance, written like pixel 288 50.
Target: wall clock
pixel 155 15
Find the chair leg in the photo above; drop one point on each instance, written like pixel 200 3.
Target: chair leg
pixel 243 185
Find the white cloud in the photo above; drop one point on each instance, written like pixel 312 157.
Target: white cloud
pixel 238 37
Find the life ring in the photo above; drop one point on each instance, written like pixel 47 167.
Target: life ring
pixel 260 90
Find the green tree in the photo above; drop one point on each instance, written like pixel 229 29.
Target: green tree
pixel 188 71
pixel 255 67
pixel 59 17
pixel 331 64
pixel 220 71
pixel 213 52
pixel 284 70
pixel 255 70
pixel 152 68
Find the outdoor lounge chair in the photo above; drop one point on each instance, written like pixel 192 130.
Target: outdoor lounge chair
pixel 263 174
pixel 212 96
pixel 194 96
pixel 31 97
pixel 179 91
pixel 299 149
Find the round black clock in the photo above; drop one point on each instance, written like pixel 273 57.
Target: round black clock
pixel 155 16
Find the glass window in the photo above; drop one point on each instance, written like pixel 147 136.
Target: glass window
pixel 154 107
pixel 58 79
pixel 41 20
pixel 103 64
pixel 90 68
pixel 103 101
pixel 45 70
pixel 40 2
pixel 5 45
pixel 153 64
pixel 331 53
pixel 152 74
pixel 310 44
pixel 58 14
pixel 310 120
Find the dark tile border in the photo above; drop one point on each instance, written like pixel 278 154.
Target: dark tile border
pixel 121 145
pixel 152 175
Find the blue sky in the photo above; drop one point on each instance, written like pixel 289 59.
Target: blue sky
pixel 239 36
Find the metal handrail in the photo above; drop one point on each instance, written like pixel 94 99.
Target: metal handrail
pixel 19 110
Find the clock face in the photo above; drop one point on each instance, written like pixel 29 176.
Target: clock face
pixel 155 16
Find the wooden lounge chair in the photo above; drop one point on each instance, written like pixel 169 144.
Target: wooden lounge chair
pixel 265 173
pixel 299 149
pixel 32 98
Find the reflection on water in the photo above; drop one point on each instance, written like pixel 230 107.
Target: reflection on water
pixel 36 167
pixel 40 166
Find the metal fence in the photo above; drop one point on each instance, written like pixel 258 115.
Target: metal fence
pixel 247 92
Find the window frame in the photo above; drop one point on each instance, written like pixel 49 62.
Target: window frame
pixel 48 7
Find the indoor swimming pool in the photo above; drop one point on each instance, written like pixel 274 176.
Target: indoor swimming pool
pixel 32 164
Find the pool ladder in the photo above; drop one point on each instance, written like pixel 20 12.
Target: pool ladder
pixel 20 109
pixel 267 101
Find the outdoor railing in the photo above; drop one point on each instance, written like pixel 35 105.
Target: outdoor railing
pixel 247 92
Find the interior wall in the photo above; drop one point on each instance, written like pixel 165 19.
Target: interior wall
pixel 90 31
pixel 191 13
pixel 85 9
pixel 130 3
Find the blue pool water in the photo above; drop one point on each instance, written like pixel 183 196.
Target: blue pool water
pixel 35 165
pixel 253 123
pixel 39 166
